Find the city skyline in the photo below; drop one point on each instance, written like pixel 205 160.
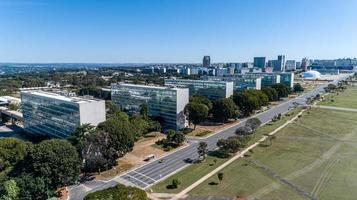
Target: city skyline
pixel 41 31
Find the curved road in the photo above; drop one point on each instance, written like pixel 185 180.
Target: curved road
pixel 146 175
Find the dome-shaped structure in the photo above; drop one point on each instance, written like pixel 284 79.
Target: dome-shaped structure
pixel 311 74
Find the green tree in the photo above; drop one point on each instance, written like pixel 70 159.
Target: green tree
pixel 32 187
pixel 298 88
pixel 78 137
pixel 246 102
pixel 231 144
pixel 144 111
pixel 271 93
pixel 202 150
pixel 55 160
pixel 262 98
pixel 175 138
pixel 253 123
pixel 11 190
pixel 118 192
pixel 121 135
pixel 202 100
pixel 244 130
pixel 220 177
pixel 283 90
pixel 196 112
pixel 175 183
pixel 224 109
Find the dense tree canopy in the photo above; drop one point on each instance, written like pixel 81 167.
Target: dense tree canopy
pixel 246 102
pixel 55 160
pixel 224 109
pixel 283 91
pixel 271 93
pixel 196 112
pixel 118 192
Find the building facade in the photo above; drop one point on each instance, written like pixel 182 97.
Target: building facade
pixel 290 65
pixel 164 103
pixel 240 82
pixel 58 115
pixel 287 79
pixel 206 61
pixel 213 89
pixel 260 62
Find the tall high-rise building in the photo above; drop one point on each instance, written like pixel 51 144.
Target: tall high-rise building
pixel 305 63
pixel 206 61
pixel 260 62
pixel 281 59
pixel 58 115
pixel 290 65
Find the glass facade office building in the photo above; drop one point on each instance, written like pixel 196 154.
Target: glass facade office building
pixel 213 90
pixel 164 103
pixel 54 115
pixel 268 79
pixel 240 82
pixel 287 79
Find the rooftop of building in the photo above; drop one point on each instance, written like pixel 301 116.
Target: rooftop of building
pixel 63 96
pixel 200 80
pixel 149 86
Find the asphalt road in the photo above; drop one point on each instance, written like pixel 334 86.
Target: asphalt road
pixel 146 175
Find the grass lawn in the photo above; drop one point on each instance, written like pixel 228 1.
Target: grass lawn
pixel 195 171
pixel 311 153
pixel 198 132
pixel 346 99
pixel 188 175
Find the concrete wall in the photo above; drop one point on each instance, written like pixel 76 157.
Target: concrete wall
pixel 92 112
pixel 182 100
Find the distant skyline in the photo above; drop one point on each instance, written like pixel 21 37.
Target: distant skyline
pixel 175 31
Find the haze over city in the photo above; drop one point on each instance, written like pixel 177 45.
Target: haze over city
pixel 165 31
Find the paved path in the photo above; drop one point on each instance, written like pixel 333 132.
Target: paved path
pixel 150 173
pixel 336 108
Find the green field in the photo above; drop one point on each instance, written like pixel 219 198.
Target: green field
pixel 347 99
pixel 317 154
pixel 195 171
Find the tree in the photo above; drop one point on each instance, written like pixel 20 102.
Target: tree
pixel 11 190
pixel 253 123
pixel 175 183
pixel 244 130
pixel 330 87
pixel 246 102
pixel 220 176
pixel 78 137
pixel 121 136
pixel 271 93
pixel 224 109
pixel 231 144
pixel 118 192
pixel 98 152
pixel 176 138
pixel 55 160
pixel 196 112
pixel 283 91
pixel 298 88
pixel 144 111
pixel 202 100
pixel 262 98
pixel 32 187
pixel 202 150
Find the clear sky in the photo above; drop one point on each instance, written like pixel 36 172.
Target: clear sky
pixel 122 31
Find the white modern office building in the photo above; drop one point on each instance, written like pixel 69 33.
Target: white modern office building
pixel 212 89
pixel 166 104
pixel 59 114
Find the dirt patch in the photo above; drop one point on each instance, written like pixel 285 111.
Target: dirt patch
pixel 135 158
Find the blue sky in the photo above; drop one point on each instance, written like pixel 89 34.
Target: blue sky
pixel 124 31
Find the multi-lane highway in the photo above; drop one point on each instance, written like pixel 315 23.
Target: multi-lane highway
pixel 148 174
